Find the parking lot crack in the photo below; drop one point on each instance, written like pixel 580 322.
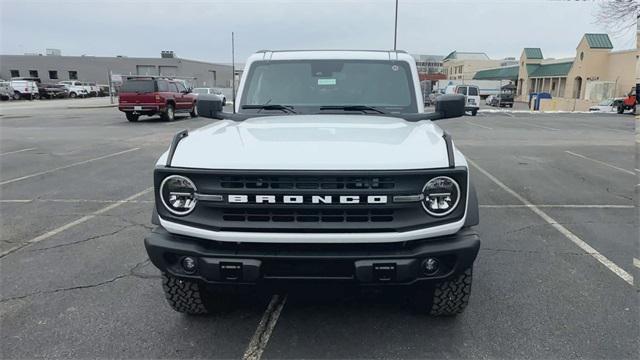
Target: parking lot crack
pixel 95 237
pixel 131 273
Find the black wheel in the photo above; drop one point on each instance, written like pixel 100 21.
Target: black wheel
pixel 35 96
pixel 620 109
pixel 224 101
pixel 169 114
pixel 474 112
pixel 184 296
pixel 194 111
pixel 73 95
pixel 17 95
pixel 132 117
pixel 446 298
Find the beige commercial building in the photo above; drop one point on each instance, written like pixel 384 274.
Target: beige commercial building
pixel 460 65
pixel 594 74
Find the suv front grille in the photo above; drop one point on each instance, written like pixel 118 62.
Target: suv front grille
pixel 307 215
pixel 306 182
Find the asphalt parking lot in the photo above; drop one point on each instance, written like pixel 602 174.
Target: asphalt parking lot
pixel 553 278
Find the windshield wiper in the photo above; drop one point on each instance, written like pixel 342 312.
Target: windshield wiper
pixel 284 108
pixel 362 108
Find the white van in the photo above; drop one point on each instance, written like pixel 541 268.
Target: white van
pixel 472 95
pixel 25 89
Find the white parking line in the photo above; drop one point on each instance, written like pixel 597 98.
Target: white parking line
pixel 478 125
pixel 576 206
pixel 564 231
pixel 79 221
pixel 17 151
pixel 636 262
pixel 601 162
pixel 261 336
pixel 66 167
pixel 603 128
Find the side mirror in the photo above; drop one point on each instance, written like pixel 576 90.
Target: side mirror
pixel 450 105
pixel 209 106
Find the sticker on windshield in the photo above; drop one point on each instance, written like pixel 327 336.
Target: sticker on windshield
pixel 326 81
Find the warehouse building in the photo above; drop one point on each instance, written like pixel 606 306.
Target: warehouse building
pixel 53 67
pixel 594 74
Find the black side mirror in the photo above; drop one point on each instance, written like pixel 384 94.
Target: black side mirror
pixel 209 106
pixel 450 105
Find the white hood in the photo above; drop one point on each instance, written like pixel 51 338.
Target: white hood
pixel 314 142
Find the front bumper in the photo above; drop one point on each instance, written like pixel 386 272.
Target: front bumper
pixel 401 264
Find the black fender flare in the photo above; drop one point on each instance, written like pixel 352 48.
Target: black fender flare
pixel 473 211
pixel 155 220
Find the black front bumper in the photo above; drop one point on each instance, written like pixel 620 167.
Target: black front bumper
pixel 363 264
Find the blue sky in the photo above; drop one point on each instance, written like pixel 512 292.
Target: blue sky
pixel 201 29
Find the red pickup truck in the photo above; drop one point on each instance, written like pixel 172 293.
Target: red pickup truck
pixel 629 102
pixel 150 95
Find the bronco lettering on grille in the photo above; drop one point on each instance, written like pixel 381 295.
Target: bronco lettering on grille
pixel 313 199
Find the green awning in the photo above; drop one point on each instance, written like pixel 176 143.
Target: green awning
pixel 503 73
pixel 550 70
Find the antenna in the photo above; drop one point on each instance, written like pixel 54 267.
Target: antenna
pixel 395 29
pixel 233 73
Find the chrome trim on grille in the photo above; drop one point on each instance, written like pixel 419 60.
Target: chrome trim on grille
pixel 408 198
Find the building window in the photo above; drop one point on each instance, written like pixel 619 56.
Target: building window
pixel 33 73
pixel 15 73
pixel 581 55
pixel 73 75
pixel 53 74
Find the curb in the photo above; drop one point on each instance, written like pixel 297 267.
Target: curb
pixel 91 106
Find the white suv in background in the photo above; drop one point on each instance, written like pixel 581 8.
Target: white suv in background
pixel 25 89
pixel 76 88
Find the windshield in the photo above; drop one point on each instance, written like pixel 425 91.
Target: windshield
pixel 138 86
pixel 606 102
pixel 201 91
pixel 386 85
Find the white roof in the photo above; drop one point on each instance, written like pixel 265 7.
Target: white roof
pixel 330 54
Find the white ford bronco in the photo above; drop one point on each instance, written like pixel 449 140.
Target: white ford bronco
pixel 328 170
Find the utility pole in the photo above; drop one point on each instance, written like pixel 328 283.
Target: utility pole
pixel 233 73
pixel 395 29
pixel 110 88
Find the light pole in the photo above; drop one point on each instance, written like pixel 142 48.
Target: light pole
pixel 395 29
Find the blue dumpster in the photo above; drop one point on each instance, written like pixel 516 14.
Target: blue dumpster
pixel 542 95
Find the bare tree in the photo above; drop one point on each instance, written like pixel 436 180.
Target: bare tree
pixel 619 16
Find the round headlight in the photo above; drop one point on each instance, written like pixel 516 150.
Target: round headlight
pixel 441 196
pixel 178 194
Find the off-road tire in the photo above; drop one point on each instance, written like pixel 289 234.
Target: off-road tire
pixel 451 297
pixel 131 116
pixel 169 114
pixel 184 296
pixel 194 111
pixel 445 298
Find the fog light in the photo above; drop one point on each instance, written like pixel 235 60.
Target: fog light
pixel 189 264
pixel 430 266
